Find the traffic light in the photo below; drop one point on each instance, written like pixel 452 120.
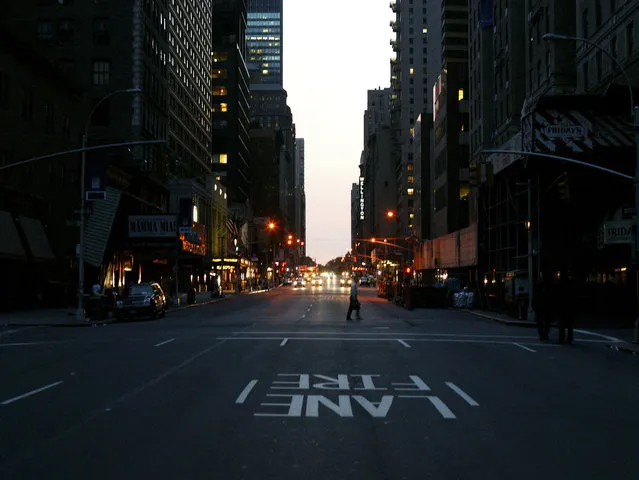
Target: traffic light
pixel 563 189
pixel 474 172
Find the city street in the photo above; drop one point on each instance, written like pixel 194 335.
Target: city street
pixel 278 385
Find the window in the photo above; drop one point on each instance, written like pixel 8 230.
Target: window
pixel 411 71
pixel 410 167
pixel 101 72
pixel 547 64
pixel 224 107
pixel 410 179
pixel 4 90
pixel 101 32
pixel 44 32
pixel 27 104
pixel 219 91
pixel 425 30
pixel 65 65
pixel 597 13
pixel 66 32
pixel 219 73
pixel 220 57
pixel 630 38
pixel 585 72
pixel 48 118
pixel 613 6
pixel 65 126
pixel 584 22
pixel 598 64
pixel 613 46
pixel 460 94
pixel 411 215
pixel 410 191
pixel 224 158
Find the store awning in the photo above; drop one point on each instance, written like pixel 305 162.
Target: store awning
pixel 10 244
pixel 37 238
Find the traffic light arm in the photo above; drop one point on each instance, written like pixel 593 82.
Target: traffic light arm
pixel 563 159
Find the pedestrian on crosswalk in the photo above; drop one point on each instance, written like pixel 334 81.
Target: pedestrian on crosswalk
pixel 353 303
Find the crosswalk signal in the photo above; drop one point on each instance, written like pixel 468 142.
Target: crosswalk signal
pixel 563 188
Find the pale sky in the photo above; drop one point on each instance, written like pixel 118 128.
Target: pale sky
pixel 334 51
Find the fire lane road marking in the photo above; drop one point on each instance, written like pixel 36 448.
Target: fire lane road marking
pixel 467 398
pixel 246 392
pixel 165 342
pixel 32 392
pixel 524 347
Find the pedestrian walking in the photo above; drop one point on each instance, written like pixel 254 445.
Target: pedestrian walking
pixel 566 306
pixel 542 306
pixel 353 303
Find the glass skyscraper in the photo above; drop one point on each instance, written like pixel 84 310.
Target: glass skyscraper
pixel 264 42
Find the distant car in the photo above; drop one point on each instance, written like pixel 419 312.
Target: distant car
pixel 141 300
pixel 345 282
pixel 299 283
pixel 316 282
pixel 287 282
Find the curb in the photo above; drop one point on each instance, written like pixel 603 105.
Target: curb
pixel 518 323
pixel 200 304
pixel 624 349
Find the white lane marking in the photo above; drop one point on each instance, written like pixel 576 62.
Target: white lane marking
pixel 607 337
pixel 336 332
pixel 524 347
pixel 9 332
pixel 403 343
pixel 165 342
pixel 283 342
pixel 413 396
pixel 24 344
pixel 380 328
pixel 373 339
pixel 469 400
pixel 246 392
pixel 32 392
pixel 441 407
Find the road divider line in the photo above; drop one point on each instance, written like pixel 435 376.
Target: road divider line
pixel 24 344
pixel 246 392
pixel 283 342
pixel 403 343
pixel 442 408
pixel 32 392
pixel 467 398
pixel 406 334
pixel 524 347
pixel 165 342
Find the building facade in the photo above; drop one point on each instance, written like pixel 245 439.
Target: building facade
pixel 265 43
pixel 300 192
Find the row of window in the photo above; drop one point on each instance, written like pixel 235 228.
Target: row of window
pixel 62 31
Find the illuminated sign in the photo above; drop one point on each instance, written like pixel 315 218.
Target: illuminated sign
pixel 361 198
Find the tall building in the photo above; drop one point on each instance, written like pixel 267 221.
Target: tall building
pixel 265 43
pixel 230 109
pixel 413 73
pixel 355 213
pixel 162 49
pixel 300 192
pixel 450 122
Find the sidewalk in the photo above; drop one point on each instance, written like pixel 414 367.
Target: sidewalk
pixel 65 317
pixel 620 338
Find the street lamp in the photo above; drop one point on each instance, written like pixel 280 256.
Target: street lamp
pixel 634 115
pixel 85 139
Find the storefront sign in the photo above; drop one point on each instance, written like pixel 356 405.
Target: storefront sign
pixel 618 232
pixel 361 198
pixel 152 226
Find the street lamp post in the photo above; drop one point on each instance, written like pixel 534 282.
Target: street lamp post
pixel 85 139
pixel 634 115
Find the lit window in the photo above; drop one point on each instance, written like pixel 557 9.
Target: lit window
pixel 412 70
pixel 425 30
pixel 410 191
pixel 195 213
pixel 264 72
pixel 410 167
pixel 410 225
pixel 411 215
pixel 411 179
pixel 412 131
pixel 224 158
pixel 219 73
pixel 219 91
pixel 220 56
pixel 460 94
pixel 224 107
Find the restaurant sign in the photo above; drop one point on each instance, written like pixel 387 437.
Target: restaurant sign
pixel 152 226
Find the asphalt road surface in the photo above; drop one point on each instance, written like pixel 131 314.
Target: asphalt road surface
pixel 278 385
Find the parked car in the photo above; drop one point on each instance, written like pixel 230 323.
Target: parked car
pixel 141 300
